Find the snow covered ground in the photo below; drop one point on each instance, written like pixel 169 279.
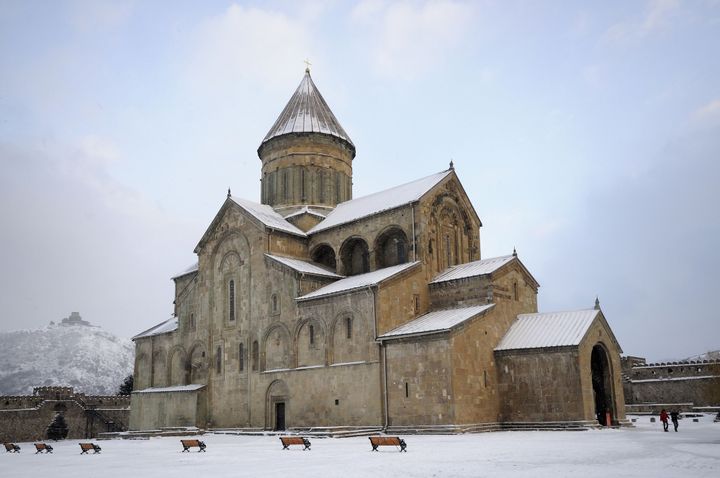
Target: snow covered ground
pixel 643 451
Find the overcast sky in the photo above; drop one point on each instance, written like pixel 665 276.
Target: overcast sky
pixel 587 135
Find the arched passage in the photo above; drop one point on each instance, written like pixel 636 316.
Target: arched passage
pixel 355 257
pixel 325 255
pixel 391 248
pixel 178 368
pixel 602 385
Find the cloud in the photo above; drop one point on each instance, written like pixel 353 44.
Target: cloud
pixel 406 39
pixel 708 112
pixel 658 14
pixel 247 44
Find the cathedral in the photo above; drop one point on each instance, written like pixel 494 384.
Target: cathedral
pixel 314 309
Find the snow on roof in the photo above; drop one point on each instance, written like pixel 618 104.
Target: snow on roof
pixel 307 112
pixel 359 281
pixel 392 198
pixel 304 267
pixel 550 329
pixel 169 325
pixel 268 216
pixel 192 268
pixel 437 321
pixel 307 210
pixel 177 388
pixel 472 269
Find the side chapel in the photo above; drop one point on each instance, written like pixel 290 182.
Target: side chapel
pixel 316 309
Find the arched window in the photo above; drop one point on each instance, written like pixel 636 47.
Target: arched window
pixel 302 184
pixel 274 306
pixel 321 186
pixel 241 357
pixel 348 327
pixel 218 360
pixel 231 299
pixel 255 355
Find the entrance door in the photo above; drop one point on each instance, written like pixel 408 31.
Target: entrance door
pixel 602 387
pixel 280 416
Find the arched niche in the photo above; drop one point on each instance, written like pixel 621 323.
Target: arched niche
pixel 276 349
pixel 325 255
pixel 354 254
pixel 198 363
pixel 391 248
pixel 143 372
pixel 159 375
pixel 178 367
pixel 310 343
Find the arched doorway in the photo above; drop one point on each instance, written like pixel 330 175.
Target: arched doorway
pixel 602 385
pixel 276 405
pixel 355 257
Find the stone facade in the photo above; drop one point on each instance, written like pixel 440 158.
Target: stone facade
pixel 690 383
pixel 26 418
pixel 287 321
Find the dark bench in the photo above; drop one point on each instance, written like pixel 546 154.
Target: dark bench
pixel 387 441
pixel 11 448
pixel 287 441
pixel 86 447
pixel 43 447
pixel 187 444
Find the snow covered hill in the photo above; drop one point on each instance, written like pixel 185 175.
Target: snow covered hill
pixel 80 356
pixel 711 355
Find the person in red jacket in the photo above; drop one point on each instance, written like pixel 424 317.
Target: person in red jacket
pixel 664 419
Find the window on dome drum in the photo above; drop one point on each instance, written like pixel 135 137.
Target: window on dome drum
pixel 241 357
pixel 302 184
pixel 218 360
pixel 321 186
pixel 255 355
pixel 337 187
pixel 348 327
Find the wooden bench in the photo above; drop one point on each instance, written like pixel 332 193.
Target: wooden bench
pixel 287 441
pixel 86 447
pixel 387 441
pixel 43 447
pixel 11 448
pixel 187 444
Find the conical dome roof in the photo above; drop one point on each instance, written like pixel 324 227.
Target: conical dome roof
pixel 307 112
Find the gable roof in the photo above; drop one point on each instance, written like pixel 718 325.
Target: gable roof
pixel 479 268
pixel 304 267
pixel 169 325
pixel 307 112
pixel 267 215
pixel 189 270
pixel 550 329
pixel 360 281
pixel 436 322
pixel 371 204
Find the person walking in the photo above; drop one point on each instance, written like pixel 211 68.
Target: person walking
pixel 664 419
pixel 674 417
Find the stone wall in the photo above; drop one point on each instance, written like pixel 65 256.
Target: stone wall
pixel 696 382
pixel 540 385
pixel 153 410
pixel 26 418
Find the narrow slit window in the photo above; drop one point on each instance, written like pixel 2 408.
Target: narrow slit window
pixel 407 390
pixel 231 299
pixel 218 360
pixel 255 355
pixel 311 331
pixel 348 327
pixel 241 357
